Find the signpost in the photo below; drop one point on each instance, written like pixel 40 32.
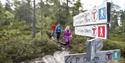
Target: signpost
pixel 93 23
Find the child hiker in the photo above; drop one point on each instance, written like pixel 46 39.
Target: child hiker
pixel 67 36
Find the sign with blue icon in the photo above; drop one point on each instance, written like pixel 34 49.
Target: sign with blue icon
pixel 97 15
pixel 101 56
pixel 102 13
pixel 116 55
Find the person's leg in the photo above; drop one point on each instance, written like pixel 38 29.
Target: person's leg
pixel 67 45
pixel 49 34
pixel 57 33
pixel 52 36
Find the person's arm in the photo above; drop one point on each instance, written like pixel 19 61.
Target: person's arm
pixel 70 33
pixel 55 29
pixel 61 29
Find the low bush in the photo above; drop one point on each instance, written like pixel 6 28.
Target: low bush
pixel 15 51
pixel 110 44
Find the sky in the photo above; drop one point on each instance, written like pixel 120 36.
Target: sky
pixel 88 4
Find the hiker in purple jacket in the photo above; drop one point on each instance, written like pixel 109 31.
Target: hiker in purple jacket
pixel 67 36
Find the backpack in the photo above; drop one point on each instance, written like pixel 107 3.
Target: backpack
pixel 58 29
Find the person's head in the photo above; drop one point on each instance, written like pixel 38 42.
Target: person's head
pixel 67 28
pixel 58 24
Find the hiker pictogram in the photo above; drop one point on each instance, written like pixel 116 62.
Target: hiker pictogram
pixel 101 31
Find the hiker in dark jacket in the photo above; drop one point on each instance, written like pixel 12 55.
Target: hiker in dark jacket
pixel 58 30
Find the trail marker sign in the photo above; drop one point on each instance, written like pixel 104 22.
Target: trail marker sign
pixel 101 56
pixel 94 22
pixel 97 31
pixel 116 55
pixel 97 15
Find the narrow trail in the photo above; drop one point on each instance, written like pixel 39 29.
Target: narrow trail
pixel 56 57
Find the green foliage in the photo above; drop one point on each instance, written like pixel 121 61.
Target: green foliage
pixel 77 44
pixel 17 51
pixel 77 5
pixel 23 11
pixel 113 44
pixel 16 43
pixel 5 16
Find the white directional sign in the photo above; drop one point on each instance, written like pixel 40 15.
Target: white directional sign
pixel 76 58
pixel 96 15
pixel 101 56
pixel 97 31
pixel 107 55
